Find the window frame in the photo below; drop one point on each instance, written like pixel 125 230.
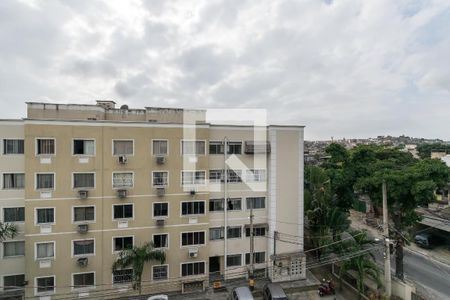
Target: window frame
pixel 193 237
pixel 85 254
pixel 84 139
pixel 12 207
pixel 44 189
pixel 36 258
pixel 12 241
pixel 83 188
pixel 234 143
pixel 83 288
pixel 229 256
pixel 167 240
pixel 122 187
pixel 222 233
pixel 153 149
pixel 122 283
pixel 247 206
pixel 167 271
pixel 194 154
pixel 193 262
pixel 36 223
pixel 45 293
pixel 36 146
pixel 216 200
pixel 120 236
pixel 15 287
pixel 153 178
pixel 234 227
pixel 216 181
pixel 160 217
pixel 123 219
pixel 234 199
pixel 220 144
pixel 84 221
pixel 194 183
pixel 122 140
pixel 254 254
pixel 3 152
pixel 192 215
pixel 13 188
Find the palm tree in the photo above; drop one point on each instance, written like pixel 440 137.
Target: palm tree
pixel 136 257
pixel 7 231
pixel 363 264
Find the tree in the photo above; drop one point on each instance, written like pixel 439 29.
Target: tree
pixel 136 258
pixel 424 150
pixel 363 264
pixel 7 231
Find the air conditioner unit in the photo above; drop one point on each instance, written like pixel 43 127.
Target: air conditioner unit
pixel 160 222
pixel 123 159
pixel 82 261
pixel 121 194
pixel 160 160
pixel 193 252
pixel 160 191
pixel 192 192
pixel 83 228
pixel 83 194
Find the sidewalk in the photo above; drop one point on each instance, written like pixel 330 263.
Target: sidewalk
pixel 440 254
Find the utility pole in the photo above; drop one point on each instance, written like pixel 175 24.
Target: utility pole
pixel 387 250
pixel 252 243
pixel 225 206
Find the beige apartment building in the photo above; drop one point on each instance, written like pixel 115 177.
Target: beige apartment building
pixel 83 182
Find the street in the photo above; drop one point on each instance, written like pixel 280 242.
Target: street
pixel 424 271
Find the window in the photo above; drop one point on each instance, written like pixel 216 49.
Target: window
pixel 124 211
pixel 14 214
pixel 234 204
pixel 258 258
pixel 160 209
pixel 122 243
pixel 45 147
pixel 83 280
pixel 216 205
pixel 234 176
pixel 215 147
pixel 234 232
pixel 83 180
pixel 193 177
pixel 160 178
pixel 122 147
pixel 216 176
pixel 84 213
pixel 234 147
pixel 122 180
pixel 45 215
pixel 160 272
pixel 216 233
pixel 193 238
pixel 160 147
pixel 45 250
pixel 16 248
pixel 13 181
pixel 234 260
pixel 256 175
pixel 45 284
pixel 256 202
pixel 45 181
pixel 83 247
pixel 13 281
pixel 195 268
pixel 83 147
pixel 122 276
pixel 192 147
pixel 258 230
pixel 161 240
pixel 193 208
pixel 13 146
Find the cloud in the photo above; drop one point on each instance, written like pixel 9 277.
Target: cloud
pixel 342 68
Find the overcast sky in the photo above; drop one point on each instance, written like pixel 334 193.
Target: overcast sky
pixel 343 68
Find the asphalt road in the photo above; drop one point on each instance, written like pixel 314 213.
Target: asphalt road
pixel 425 271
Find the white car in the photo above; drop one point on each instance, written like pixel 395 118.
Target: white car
pixel 158 297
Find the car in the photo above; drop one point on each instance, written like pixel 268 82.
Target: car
pixel 273 291
pixel 241 293
pixel 428 240
pixel 158 297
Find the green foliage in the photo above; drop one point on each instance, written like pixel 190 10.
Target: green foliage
pixel 7 230
pixel 136 258
pixel 425 149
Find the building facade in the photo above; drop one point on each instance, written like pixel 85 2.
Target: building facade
pixel 88 181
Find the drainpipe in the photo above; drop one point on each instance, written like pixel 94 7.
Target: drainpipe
pixel 225 208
